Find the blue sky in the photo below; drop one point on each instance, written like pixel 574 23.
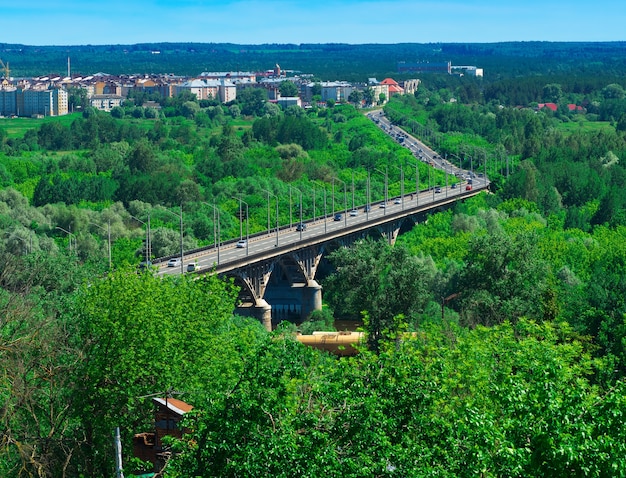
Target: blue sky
pixel 72 22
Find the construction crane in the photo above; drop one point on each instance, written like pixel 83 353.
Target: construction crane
pixel 5 69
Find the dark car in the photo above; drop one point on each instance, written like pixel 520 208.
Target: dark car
pixel 338 217
pixel 301 227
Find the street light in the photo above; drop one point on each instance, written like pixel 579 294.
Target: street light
pixel 417 181
pixel 345 201
pixel 180 216
pixel 241 223
pixel 401 184
pixel 108 231
pixel 300 223
pixel 148 241
pixel 268 213
pixel 368 201
pixel 386 188
pixel 69 236
pixel 352 189
pixel 325 213
pixel 216 238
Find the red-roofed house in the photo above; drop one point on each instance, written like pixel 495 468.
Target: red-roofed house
pixel 148 446
pixel 576 108
pixel 393 86
pixel 551 106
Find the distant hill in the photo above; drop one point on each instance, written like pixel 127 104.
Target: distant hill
pixel 328 61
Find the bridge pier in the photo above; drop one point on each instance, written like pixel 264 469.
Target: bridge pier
pixel 311 298
pixel 263 311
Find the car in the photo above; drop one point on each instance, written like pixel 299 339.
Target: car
pixel 174 262
pixel 241 243
pixel 367 208
pixel 337 217
pixel 453 186
pixel 468 187
pixel 145 265
pixel 397 201
pixel 382 205
pixel 438 189
pixel 192 266
pixel 301 227
pixel 354 212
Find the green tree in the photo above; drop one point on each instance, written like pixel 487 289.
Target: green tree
pixel 504 278
pixel 139 335
pixel 288 89
pixel 356 97
pixel 385 283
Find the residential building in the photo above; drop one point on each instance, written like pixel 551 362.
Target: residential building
pixel 393 86
pixel 33 102
pixel 106 102
pixel 222 90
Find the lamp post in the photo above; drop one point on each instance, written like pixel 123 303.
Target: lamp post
pixel 313 191
pixel 217 239
pixel 148 241
pixel 353 190
pixel 108 231
pixel 345 201
pixel 386 188
pixel 69 237
pixel 367 197
pixel 401 184
pixel 180 216
pixel 325 213
pixel 417 181
pixel 300 223
pixel 268 213
pixel 241 222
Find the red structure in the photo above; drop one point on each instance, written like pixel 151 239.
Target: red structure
pixel 148 446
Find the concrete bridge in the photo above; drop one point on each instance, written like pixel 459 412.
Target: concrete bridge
pixel 277 270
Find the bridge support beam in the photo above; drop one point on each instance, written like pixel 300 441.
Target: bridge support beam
pixel 263 312
pixel 390 232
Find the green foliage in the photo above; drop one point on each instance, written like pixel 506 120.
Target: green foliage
pixel 512 400
pixel 139 335
pixel 385 283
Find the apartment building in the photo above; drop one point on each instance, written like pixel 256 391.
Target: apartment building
pixel 33 102
pixel 106 102
pixel 222 90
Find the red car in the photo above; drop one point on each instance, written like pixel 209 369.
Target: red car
pixel 468 187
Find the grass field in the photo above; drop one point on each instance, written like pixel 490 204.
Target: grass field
pixel 584 126
pixel 17 127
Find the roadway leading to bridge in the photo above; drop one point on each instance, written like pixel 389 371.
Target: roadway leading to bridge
pixel 262 246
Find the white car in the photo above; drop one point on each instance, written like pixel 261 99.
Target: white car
pixel 241 244
pixel 354 212
pixel 174 262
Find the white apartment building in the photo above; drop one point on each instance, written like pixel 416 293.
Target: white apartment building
pixel 106 102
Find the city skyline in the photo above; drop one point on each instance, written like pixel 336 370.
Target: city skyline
pixel 284 21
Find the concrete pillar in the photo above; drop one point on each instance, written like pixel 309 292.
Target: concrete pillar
pixel 263 312
pixel 311 298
